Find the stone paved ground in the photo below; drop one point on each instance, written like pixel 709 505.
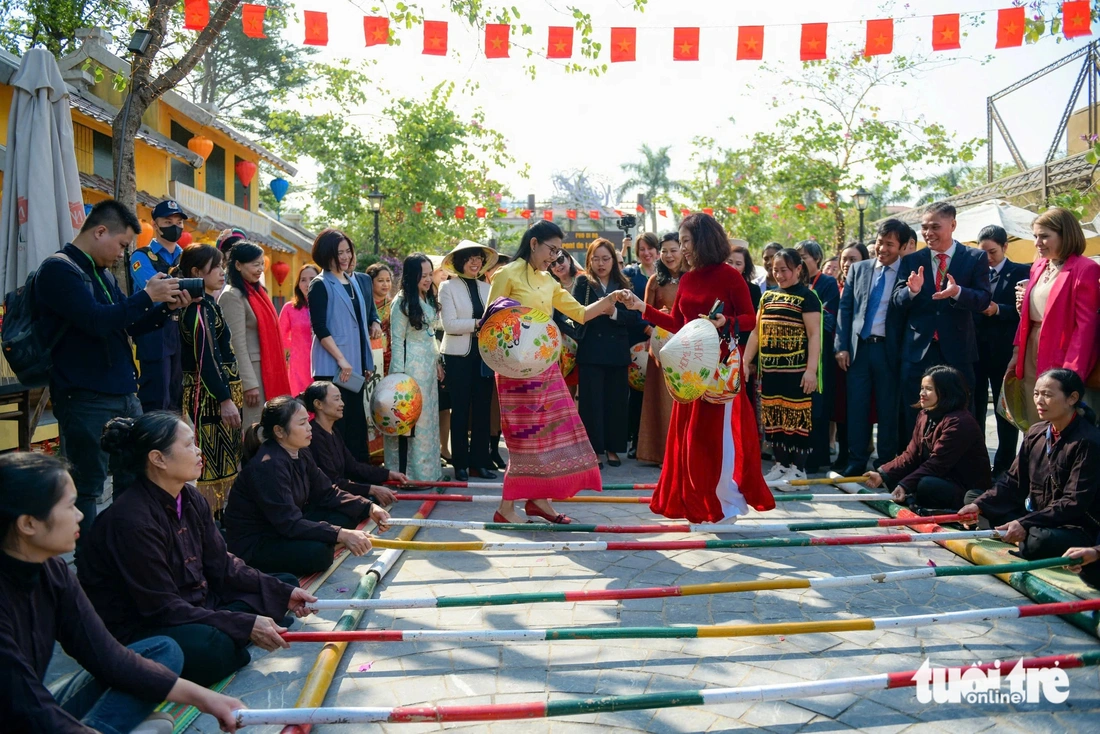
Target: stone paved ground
pixel 406 674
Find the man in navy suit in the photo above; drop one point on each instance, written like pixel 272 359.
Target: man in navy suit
pixel 868 344
pixel 996 330
pixel 939 289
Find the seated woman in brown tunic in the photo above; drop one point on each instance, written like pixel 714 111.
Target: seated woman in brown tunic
pixel 1049 499
pixel 946 455
pixel 284 514
pixel 331 453
pixel 183 584
pixel 41 603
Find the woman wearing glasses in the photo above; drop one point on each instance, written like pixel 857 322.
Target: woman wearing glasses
pixel 550 456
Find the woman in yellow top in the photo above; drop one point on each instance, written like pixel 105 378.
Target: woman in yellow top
pixel 549 455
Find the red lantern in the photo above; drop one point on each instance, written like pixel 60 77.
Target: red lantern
pixel 185 239
pixel 245 172
pixel 280 270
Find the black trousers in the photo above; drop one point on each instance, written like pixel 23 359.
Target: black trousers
pixel 634 416
pixel 911 373
pixel 353 426
pixel 300 557
pixel 210 655
pixel 603 405
pixel 471 401
pixel 160 384
pixel 989 374
pixel 934 493
pixel 1045 542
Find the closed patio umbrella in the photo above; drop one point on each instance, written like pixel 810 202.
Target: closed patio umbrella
pixel 42 204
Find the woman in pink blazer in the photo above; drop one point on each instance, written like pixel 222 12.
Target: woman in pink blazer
pixel 1058 316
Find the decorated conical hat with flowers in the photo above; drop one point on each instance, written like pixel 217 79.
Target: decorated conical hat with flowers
pixel 690 359
pixel 519 342
pixel 639 361
pixel 396 404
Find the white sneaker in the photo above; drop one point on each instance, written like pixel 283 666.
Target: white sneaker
pixel 794 473
pixel 776 474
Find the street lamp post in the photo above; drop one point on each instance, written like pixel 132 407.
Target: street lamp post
pixel 376 198
pixel 863 199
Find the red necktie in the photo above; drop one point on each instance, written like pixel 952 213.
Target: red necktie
pixel 941 272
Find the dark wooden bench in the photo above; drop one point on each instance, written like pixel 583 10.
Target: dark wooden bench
pixel 24 406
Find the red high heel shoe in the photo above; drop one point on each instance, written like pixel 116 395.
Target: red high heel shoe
pixel 497 517
pixel 532 509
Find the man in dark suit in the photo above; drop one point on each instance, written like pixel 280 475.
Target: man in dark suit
pixel 939 289
pixel 868 344
pixel 996 330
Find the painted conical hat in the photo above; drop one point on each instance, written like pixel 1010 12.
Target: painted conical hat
pixel 689 360
pixel 639 361
pixel 658 339
pixel 396 404
pixel 568 355
pixel 519 342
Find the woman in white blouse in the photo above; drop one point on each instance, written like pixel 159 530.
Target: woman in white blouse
pixel 462 301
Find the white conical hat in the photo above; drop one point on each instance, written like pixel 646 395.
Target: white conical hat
pixel 396 404
pixel 690 359
pixel 639 361
pixel 519 342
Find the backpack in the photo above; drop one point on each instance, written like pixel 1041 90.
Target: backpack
pixel 20 339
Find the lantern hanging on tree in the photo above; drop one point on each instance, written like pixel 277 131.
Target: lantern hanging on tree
pixel 201 146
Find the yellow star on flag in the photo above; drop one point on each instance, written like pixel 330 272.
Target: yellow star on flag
pixel 379 35
pixel 880 41
pixel 947 34
pixel 433 42
pixel 624 45
pixel 1077 21
pixel 813 43
pixel 751 44
pixel 685 49
pixel 496 43
pixel 559 46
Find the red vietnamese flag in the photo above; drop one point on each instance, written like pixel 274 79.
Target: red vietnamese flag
pixel 731 209
pixel 750 43
pixel 501 211
pixel 570 213
pixel 481 212
pixel 548 214
pixel 685 44
pixel 526 213
pixel 496 40
pixel 708 210
pixel 435 37
pixel 1011 23
pixel 640 209
pixel 196 14
pixel 880 37
pixel 418 207
pixel 685 212
pixel 623 41
pixel 1076 19
pixel 316 28
pixel 594 214
pixel 822 205
pixel 460 212
pixel 618 212
pixel 662 212
pixel 438 212
pixel 252 20
pixel 945 32
pixel 376 29
pixel 800 207
pixel 814 41
pixel 560 43
pixel 754 209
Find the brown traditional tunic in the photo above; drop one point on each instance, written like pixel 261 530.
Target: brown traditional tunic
pixel 271 495
pixel 41 604
pixel 145 566
pixel 656 403
pixel 1063 485
pixel 334 459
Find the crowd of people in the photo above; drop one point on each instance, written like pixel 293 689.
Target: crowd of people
pixel 242 451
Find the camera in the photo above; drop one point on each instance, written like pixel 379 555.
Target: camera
pixel 627 223
pixel 195 287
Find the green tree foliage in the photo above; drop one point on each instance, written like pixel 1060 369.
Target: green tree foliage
pixel 422 152
pixel 650 175
pixel 52 24
pixel 832 142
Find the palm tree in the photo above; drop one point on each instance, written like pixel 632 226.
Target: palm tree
pixel 942 185
pixel 651 176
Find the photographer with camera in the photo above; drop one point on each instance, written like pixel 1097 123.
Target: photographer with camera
pixel 160 383
pixel 88 321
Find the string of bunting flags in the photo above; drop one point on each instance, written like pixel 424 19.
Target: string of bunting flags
pixel 945 31
pixel 549 214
